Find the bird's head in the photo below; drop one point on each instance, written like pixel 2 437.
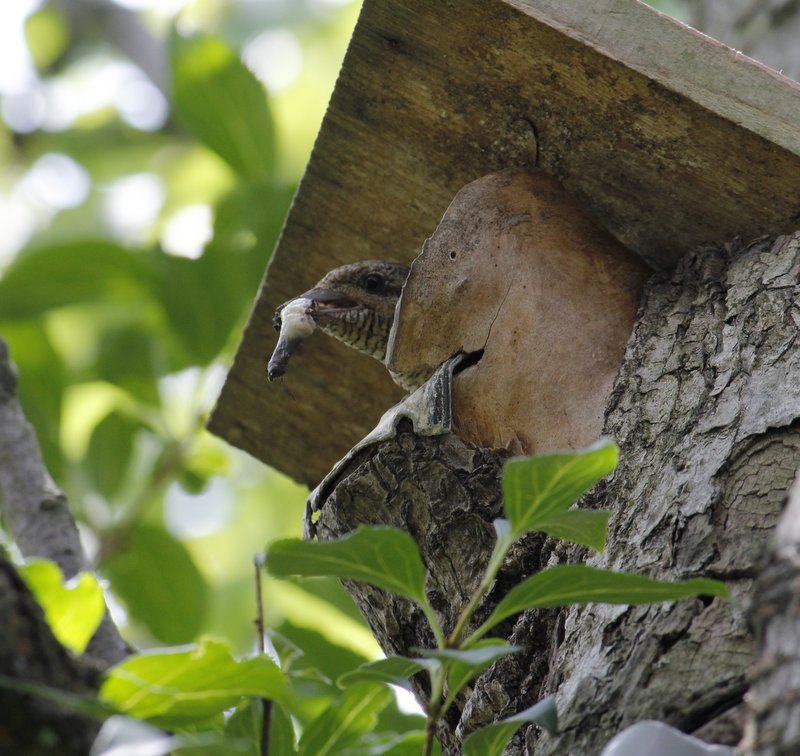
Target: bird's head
pixel 355 303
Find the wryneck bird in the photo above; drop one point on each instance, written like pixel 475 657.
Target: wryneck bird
pixel 355 304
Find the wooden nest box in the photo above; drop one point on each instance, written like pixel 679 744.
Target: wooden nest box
pixel 664 136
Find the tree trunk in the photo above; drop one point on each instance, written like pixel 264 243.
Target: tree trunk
pixel 30 655
pixel 705 411
pixel 774 698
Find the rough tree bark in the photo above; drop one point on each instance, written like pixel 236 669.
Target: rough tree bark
pixel 35 510
pixel 36 513
pixel 30 654
pixel 774 698
pixel 705 411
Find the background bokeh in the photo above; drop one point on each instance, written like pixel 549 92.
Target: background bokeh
pixel 144 178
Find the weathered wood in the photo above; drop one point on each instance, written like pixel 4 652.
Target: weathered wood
pixel 706 410
pixel 666 136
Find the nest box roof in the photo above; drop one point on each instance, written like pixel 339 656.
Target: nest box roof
pixel 666 136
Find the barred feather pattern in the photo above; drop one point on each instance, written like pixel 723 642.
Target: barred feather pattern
pixel 362 329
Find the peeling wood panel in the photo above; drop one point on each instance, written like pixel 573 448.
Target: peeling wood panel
pixel 667 137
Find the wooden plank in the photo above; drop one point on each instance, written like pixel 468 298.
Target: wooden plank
pixel 667 137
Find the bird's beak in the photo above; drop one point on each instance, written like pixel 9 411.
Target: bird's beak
pixel 329 301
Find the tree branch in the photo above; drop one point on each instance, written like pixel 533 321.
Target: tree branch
pixel 35 511
pixel 30 654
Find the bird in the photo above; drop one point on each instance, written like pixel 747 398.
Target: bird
pixel 355 304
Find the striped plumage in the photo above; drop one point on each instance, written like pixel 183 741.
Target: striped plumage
pixel 355 304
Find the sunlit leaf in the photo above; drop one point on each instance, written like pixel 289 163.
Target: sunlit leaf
pixel 492 740
pixel 341 724
pixel 181 686
pixel 568 584
pixel 73 610
pixel 537 488
pixel 587 527
pixel 47 35
pixel 223 104
pixel 161 585
pixel 385 557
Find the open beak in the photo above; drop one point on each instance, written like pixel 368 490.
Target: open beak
pixel 326 302
pixel 329 301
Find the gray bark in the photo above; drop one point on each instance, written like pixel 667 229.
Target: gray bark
pixel 705 411
pixel 773 725
pixel 35 511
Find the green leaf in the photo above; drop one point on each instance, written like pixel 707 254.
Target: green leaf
pixel 567 584
pixel 181 687
pixel 244 727
pixel 132 356
pixel 281 732
pixel 110 451
pixel 341 725
pixel 464 665
pixel 158 580
pixel 393 670
pixel 385 557
pixel 223 104
pixel 492 740
pixel 42 389
pixel 537 488
pixel 81 704
pixel 206 299
pixel 586 527
pixel 407 744
pixel 185 289
pixel 73 609
pixel 52 277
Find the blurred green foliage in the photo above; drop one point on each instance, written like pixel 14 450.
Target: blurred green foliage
pixel 133 250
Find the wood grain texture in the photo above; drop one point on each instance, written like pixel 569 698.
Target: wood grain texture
pixel 665 136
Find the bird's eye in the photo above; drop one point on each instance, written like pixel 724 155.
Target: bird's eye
pixel 373 283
